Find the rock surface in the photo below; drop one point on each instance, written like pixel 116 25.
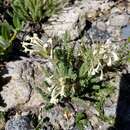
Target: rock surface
pixel 25 76
pixel 119 20
pixel 73 19
pixel 18 123
pixel 110 111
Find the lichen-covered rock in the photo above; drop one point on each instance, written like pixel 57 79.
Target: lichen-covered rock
pixel 26 75
pixel 110 111
pixel 118 20
pixel 98 35
pixel 18 123
pixel 73 19
pixel 60 117
pixel 70 20
pixel 16 92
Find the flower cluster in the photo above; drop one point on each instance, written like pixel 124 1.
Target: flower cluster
pixel 34 44
pixel 103 54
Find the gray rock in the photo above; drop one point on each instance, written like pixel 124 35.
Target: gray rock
pixel 18 123
pixel 110 111
pixel 119 20
pixel 103 126
pixel 98 35
pixel 73 19
pixel 125 33
pixel 101 26
pixel 128 8
pixel 25 75
pixel 115 10
pixel 61 117
pixel 115 32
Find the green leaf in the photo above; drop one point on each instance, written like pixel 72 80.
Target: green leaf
pixel 16 22
pixel 4 44
pixel 5 29
pixel 81 120
pixel 129 39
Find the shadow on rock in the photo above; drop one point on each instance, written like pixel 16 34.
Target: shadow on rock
pixel 3 81
pixel 122 121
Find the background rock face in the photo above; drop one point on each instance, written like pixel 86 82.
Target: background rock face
pixel 73 19
pixel 118 20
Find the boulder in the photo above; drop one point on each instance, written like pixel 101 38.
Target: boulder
pixel 73 19
pixel 18 123
pixel 26 75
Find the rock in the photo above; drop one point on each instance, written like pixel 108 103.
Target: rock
pixel 125 33
pixel 18 123
pixel 101 26
pixel 115 10
pixel 103 126
pixel 105 6
pixel 36 100
pixel 16 92
pixel 110 111
pixel 73 19
pixel 25 74
pixel 128 8
pixel 94 120
pixel 118 20
pixel 97 35
pixel 59 115
pixel 115 32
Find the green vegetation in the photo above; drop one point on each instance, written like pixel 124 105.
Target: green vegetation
pixel 81 120
pixel 21 11
pixel 8 34
pixel 2 120
pixel 34 10
pixel 72 75
pixel 69 76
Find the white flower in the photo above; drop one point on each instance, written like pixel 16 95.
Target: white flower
pixel 94 52
pixel 101 75
pixel 109 62
pixel 115 57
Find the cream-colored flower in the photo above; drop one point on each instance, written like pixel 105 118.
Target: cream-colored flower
pixel 115 57
pixel 101 75
pixel 109 63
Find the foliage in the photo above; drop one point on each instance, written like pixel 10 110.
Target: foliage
pixel 72 75
pixel 34 10
pixel 126 51
pixel 4 37
pixel 81 120
pixel 2 120
pixel 100 55
pixel 8 34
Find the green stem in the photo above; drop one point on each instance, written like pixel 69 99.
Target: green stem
pixel 13 37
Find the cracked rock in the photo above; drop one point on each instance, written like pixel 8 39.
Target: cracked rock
pixel 25 76
pixel 73 19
